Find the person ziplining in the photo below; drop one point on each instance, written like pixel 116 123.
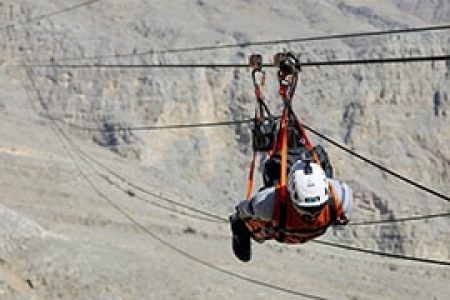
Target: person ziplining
pixel 300 199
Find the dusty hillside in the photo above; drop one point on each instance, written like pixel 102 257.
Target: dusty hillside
pixel 63 234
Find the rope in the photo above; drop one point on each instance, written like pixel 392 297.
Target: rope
pixel 268 42
pixel 385 254
pixel 390 60
pixel 379 166
pixel 48 15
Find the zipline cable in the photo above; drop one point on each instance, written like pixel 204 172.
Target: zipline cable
pixel 48 15
pixel 377 165
pixel 301 40
pixel 345 62
pixel 399 220
pixel 267 42
pixel 161 127
pixel 385 254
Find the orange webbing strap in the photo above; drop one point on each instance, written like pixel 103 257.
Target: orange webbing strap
pixel 282 194
pixel 336 205
pixel 250 177
pixel 284 156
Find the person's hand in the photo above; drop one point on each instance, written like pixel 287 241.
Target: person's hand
pixel 342 220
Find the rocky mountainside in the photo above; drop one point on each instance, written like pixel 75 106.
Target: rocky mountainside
pixel 71 244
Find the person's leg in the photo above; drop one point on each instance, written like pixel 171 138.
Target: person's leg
pixel 241 242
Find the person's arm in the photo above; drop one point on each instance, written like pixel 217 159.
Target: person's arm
pixel 259 207
pixel 347 199
pixel 345 195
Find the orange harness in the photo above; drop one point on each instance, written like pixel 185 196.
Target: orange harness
pixel 287 226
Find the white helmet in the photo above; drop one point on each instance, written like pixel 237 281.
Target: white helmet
pixel 308 188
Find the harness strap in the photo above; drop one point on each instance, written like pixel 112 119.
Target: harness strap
pixel 263 108
pixel 282 226
pixel 250 180
pixel 284 154
pixel 282 194
pixel 332 209
pixel 332 205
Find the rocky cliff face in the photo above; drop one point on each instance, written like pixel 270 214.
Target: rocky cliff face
pixel 397 115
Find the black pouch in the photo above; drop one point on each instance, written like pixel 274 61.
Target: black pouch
pixel 272 166
pixel 263 134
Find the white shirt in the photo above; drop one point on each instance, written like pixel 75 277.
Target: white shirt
pixel 263 201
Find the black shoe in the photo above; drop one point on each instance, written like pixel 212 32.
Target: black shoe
pixel 241 242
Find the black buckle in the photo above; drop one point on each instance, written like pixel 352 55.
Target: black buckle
pixel 255 61
pixel 287 63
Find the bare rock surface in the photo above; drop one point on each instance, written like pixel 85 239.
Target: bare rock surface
pixel 95 214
